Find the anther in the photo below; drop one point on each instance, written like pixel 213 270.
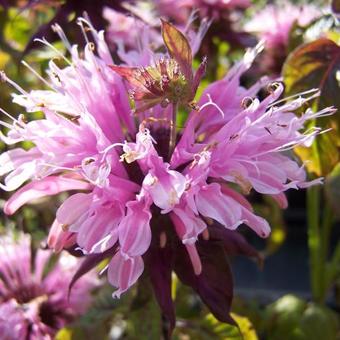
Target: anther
pixel 273 87
pixel 3 77
pixel 165 102
pixel 64 227
pixel 246 102
pixel 132 94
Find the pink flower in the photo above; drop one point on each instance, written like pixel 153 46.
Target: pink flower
pixel 273 25
pixel 180 10
pixel 150 195
pixel 124 31
pixel 35 304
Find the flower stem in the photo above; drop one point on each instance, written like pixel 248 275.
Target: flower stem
pixel 172 141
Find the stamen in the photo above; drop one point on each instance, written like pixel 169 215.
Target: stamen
pixel 9 126
pixel 110 147
pixel 9 116
pixel 210 102
pixel 316 93
pixel 57 29
pixel 80 22
pixel 247 102
pixel 57 167
pixel 46 43
pixel 272 87
pixel 4 78
pixel 37 75
pixel 64 227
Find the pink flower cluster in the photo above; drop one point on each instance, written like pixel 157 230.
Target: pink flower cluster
pixel 125 172
pixel 274 22
pixel 180 10
pixel 35 304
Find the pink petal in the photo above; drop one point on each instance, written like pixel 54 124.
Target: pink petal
pixel 48 186
pixel 188 226
pixel 58 238
pixel 73 208
pixel 134 230
pixel 123 273
pixel 99 232
pixel 257 223
pixel 212 203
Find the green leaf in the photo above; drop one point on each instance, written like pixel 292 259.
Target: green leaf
pixel 178 47
pixel 283 317
pixel 320 27
pixel 244 331
pixel 323 155
pixel 317 65
pixel 319 322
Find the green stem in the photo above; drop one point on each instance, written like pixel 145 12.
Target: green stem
pixel 327 223
pixel 326 228
pixel 314 241
pixel 173 124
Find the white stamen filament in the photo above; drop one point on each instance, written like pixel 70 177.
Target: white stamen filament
pixel 210 102
pixel 38 75
pixel 316 93
pixel 46 43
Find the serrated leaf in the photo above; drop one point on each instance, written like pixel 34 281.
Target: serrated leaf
pixel 315 65
pixel 178 47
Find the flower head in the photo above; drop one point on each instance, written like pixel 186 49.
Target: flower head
pixel 180 10
pixel 35 304
pixel 170 80
pixel 274 23
pixel 150 194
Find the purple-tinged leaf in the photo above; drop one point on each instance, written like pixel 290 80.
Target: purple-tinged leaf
pixel 178 47
pixel 215 284
pixel 159 263
pixel 199 75
pixel 315 65
pixel 128 73
pixel 90 262
pixel 234 243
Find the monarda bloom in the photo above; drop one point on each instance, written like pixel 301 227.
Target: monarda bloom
pixel 180 10
pixel 34 301
pixel 273 24
pixel 152 196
